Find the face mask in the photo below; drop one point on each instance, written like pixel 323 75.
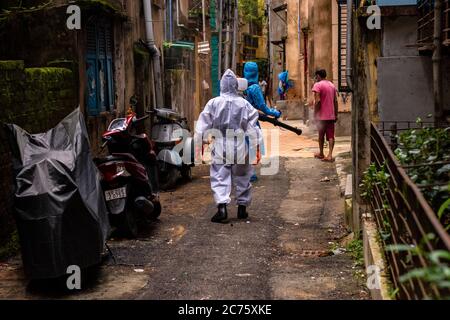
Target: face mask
pixel 242 84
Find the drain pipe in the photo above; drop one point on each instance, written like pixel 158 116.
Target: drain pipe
pixel 235 36
pixel 154 51
pixel 178 14
pixel 204 19
pixel 349 69
pixel 220 25
pixel 437 60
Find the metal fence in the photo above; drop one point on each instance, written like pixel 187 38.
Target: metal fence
pixel 404 216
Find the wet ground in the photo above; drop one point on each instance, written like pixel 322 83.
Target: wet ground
pixel 281 252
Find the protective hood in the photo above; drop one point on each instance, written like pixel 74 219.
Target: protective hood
pixel 283 76
pixel 229 83
pixel 251 73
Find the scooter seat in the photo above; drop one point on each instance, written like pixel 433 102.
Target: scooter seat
pixel 140 136
pixel 116 157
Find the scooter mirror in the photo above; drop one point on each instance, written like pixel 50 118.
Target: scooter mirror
pixel 133 101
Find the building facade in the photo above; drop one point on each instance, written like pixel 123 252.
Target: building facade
pixel 307 35
pixel 48 69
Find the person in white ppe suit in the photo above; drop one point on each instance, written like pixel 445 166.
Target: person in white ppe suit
pixel 231 121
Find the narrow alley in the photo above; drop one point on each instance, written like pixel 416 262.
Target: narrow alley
pixel 283 251
pixel 127 126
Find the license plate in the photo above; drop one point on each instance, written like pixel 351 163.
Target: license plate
pixel 116 194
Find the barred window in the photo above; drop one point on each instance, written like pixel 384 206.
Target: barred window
pixel 342 50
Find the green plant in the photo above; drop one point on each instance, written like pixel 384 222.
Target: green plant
pixel 442 210
pixel 355 248
pixel 252 10
pixel 378 178
pixel 372 178
pixel 11 247
pixel 438 270
pixel 426 153
pixel 393 293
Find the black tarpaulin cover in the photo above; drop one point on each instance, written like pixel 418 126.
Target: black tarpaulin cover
pixel 58 203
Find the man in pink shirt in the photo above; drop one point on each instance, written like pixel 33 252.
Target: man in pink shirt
pixel 325 112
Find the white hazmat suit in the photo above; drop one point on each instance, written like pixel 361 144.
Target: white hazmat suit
pixel 232 121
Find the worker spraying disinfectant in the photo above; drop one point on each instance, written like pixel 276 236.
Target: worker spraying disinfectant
pixel 255 96
pixel 230 122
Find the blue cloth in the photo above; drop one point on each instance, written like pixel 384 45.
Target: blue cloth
pixel 284 78
pixel 254 93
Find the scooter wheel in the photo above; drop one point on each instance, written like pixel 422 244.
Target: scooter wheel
pixel 128 226
pixel 186 173
pixel 157 210
pixel 168 178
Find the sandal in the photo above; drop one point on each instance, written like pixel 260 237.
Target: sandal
pixel 327 160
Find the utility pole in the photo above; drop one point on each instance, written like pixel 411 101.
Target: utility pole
pixel 269 46
pixel 227 48
pixel 235 36
pixel 204 19
pixel 220 24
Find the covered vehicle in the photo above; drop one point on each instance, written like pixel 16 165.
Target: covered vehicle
pixel 59 205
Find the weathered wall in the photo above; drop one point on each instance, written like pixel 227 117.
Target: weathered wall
pixel 405 87
pixel 293 49
pixel 399 36
pixel 322 37
pixel 366 44
pixel 180 94
pixel 44 39
pixel 35 99
pixel 34 33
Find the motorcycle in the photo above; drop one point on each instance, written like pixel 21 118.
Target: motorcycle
pixel 129 175
pixel 175 147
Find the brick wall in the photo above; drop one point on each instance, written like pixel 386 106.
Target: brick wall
pixel 35 99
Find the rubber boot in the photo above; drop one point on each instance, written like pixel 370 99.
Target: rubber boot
pixel 242 212
pixel 221 214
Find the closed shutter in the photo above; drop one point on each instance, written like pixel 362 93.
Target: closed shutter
pixel 99 67
pixel 91 71
pixel 109 66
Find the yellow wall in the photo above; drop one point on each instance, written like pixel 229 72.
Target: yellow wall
pixel 319 21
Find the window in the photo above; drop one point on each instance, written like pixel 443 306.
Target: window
pixel 99 67
pixel 446 37
pixel 342 35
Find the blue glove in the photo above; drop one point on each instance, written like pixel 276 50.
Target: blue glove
pixel 277 114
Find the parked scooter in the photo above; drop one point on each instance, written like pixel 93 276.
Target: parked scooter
pixel 175 147
pixel 129 175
